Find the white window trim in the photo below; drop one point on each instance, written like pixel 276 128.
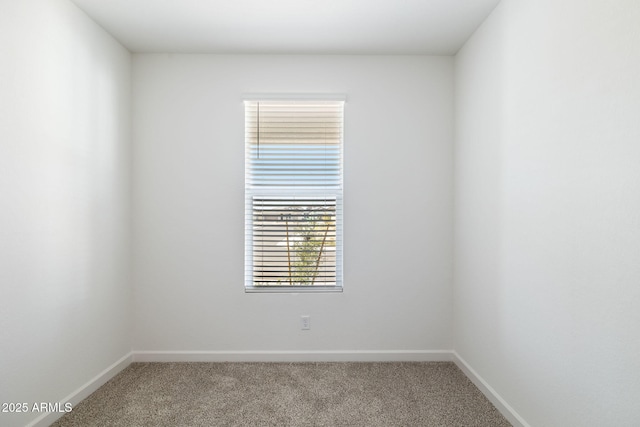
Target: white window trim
pixel 294 97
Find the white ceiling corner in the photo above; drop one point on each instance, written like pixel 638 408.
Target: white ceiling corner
pixel 436 27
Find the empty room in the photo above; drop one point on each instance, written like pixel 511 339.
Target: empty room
pixel 320 213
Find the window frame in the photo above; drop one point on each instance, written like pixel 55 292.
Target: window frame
pixel 286 191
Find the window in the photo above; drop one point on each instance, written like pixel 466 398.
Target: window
pixel 293 195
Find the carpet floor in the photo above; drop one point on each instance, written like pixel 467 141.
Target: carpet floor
pixel 287 394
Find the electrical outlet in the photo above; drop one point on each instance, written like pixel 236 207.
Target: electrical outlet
pixel 305 322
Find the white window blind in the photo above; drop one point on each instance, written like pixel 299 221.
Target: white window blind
pixel 293 190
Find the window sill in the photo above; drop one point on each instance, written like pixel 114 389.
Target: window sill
pixel 292 289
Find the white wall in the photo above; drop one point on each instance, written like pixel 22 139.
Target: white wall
pixel 188 186
pixel 547 195
pixel 64 205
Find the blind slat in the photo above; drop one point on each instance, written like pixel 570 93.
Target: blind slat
pixel 289 143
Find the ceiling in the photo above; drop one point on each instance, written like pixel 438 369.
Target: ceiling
pixel 438 27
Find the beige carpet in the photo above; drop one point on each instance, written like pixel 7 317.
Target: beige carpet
pixel 287 394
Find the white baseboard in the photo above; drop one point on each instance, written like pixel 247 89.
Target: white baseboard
pixel 505 409
pixel 294 356
pixel 84 391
